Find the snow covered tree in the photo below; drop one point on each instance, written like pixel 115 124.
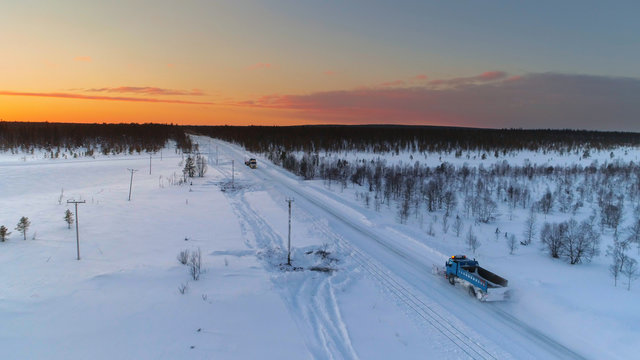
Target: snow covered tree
pixel 611 215
pixel 450 201
pixel 618 253
pixel 581 242
pixel 23 226
pixel 68 218
pixel 530 227
pixel 552 236
pixel 634 233
pixel 630 271
pixel 472 240
pixel 457 225
pixel 484 208
pixel 546 202
pixel 512 244
pixel 189 167
pixel 4 232
pixel 201 165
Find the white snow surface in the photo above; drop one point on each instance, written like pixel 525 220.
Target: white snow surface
pixel 377 300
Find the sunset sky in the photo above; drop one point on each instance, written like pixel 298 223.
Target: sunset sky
pixel 496 64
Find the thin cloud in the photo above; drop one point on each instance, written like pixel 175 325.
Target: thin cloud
pixel 393 83
pixel 488 76
pixel 147 90
pixel 82 59
pixel 492 100
pixel 260 66
pixel 104 98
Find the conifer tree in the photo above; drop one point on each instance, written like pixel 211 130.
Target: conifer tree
pixel 4 232
pixel 68 217
pixel 23 226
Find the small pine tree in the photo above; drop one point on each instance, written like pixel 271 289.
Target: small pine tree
pixel 68 217
pixel 23 226
pixel 4 232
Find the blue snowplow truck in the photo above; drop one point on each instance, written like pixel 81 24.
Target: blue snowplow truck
pixel 480 282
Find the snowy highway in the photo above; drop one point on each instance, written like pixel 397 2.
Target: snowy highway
pixel 401 265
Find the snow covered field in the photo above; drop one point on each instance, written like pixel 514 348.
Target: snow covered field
pixel 379 299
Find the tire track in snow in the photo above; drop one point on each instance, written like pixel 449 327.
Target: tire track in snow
pixel 467 345
pixel 312 304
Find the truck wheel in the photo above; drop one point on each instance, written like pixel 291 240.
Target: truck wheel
pixel 452 280
pixel 472 291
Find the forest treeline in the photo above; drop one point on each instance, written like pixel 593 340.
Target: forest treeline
pixel 387 138
pixel 105 138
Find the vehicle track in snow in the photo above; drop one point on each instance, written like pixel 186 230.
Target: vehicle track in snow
pixel 312 304
pixel 465 344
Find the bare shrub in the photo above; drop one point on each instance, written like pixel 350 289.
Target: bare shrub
pixel 183 288
pixel 183 257
pixel 195 264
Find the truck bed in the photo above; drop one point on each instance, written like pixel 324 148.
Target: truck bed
pixel 492 279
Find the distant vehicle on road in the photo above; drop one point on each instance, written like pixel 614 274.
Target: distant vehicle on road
pixel 252 163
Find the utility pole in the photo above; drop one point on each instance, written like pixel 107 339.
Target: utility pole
pixel 216 155
pixel 289 200
pixel 233 174
pixel 149 163
pixel 77 233
pixel 131 182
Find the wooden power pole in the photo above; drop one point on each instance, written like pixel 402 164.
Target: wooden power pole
pixel 290 200
pixel 77 232
pixel 131 182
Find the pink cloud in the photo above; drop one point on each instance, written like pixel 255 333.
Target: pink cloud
pixel 260 66
pixel 105 98
pixel 82 58
pixel 491 75
pixel 528 101
pixel 329 73
pixel 513 78
pixel 420 77
pixel 147 90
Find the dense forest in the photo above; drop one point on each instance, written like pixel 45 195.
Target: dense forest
pixel 104 138
pixel 387 138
